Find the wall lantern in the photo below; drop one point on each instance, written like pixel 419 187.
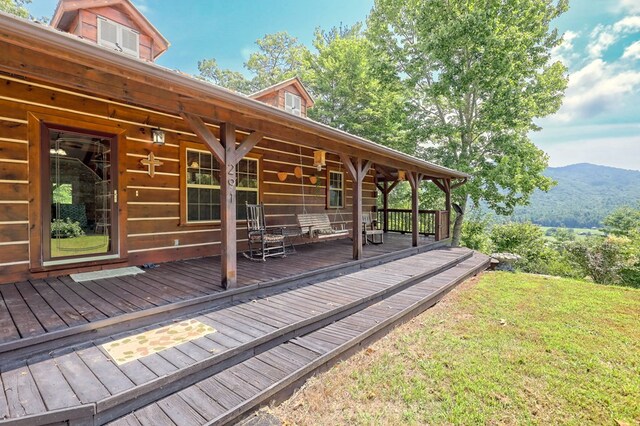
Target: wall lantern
pixel 313 179
pixel 297 172
pixel 401 175
pixel 157 135
pixel 319 159
pixel 282 176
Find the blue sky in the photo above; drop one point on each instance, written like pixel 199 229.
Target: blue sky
pixel 599 122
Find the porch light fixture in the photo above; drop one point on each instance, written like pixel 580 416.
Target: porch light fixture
pixel 319 159
pixel 157 135
pixel 297 172
pixel 401 175
pixel 282 176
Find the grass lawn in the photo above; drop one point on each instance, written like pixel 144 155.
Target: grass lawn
pixel 580 233
pixel 87 244
pixel 501 349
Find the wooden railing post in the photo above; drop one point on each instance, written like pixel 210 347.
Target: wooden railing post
pixel 385 207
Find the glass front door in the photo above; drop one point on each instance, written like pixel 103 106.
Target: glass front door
pixel 80 215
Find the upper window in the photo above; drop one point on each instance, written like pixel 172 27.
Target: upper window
pixel 292 103
pixel 203 186
pixel 335 194
pixel 118 37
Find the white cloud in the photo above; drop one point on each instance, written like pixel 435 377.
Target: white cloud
pixel 601 38
pixel 604 36
pixel 632 6
pixel 565 52
pixel 597 88
pixel 627 25
pixel 632 51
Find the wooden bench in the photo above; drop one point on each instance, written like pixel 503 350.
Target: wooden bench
pixel 318 226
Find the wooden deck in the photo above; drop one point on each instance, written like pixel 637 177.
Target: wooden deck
pixel 33 308
pixel 261 346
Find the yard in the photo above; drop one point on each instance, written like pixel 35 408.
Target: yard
pixel 501 349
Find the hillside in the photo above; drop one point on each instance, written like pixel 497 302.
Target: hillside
pixel 585 194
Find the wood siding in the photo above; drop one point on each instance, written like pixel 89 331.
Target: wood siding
pixel 152 209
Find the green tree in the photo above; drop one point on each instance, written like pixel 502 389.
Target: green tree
pixel 15 7
pixel 479 73
pixel 623 221
pixel 344 78
pixel 279 56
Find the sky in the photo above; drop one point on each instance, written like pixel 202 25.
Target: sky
pixel 599 121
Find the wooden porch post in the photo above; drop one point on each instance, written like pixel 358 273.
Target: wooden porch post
pixel 385 207
pixel 229 156
pixel 445 186
pixel 357 170
pixel 414 179
pixel 228 248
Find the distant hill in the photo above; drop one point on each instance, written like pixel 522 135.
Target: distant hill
pixel 585 194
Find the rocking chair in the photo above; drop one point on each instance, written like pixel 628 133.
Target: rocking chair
pixel 263 242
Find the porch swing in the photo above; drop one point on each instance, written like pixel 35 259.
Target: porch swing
pixel 316 226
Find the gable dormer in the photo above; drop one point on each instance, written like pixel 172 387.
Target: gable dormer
pixel 289 95
pixel 114 24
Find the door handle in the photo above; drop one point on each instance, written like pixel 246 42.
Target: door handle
pixel 115 196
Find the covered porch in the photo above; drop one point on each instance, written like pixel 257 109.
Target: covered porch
pixel 31 310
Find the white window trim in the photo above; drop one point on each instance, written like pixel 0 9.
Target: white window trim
pixel 341 190
pixel 119 45
pixel 199 185
pixel 289 103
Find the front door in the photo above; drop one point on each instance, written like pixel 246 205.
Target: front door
pixel 80 215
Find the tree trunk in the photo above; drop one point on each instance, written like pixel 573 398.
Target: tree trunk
pixel 457 225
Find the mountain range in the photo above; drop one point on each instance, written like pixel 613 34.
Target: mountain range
pixel 584 195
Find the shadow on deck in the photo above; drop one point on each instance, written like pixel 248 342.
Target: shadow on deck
pixel 45 310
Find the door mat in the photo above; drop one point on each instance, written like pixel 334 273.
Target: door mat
pixel 106 273
pixel 150 342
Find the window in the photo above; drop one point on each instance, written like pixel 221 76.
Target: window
pixel 203 186
pixel 118 37
pixel 292 103
pixel 335 190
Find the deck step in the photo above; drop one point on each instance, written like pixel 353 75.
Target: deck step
pixel 233 393
pixel 42 343
pixel 246 329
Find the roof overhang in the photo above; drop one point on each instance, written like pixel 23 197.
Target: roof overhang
pixel 39 52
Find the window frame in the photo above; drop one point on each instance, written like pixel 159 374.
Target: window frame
pixel 118 45
pixel 293 97
pixel 186 146
pixel 342 190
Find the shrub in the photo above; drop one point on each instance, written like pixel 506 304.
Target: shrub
pixel 474 234
pixel 604 260
pixel 66 229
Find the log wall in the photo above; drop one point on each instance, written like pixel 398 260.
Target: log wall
pixel 153 204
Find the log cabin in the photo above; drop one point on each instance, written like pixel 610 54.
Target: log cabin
pixel 109 160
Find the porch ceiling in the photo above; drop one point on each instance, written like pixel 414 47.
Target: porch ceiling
pixel 36 51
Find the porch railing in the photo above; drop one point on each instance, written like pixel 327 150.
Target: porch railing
pixel 430 222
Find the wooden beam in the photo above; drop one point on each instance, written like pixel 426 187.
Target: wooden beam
pixel 346 160
pixel 228 180
pixel 247 145
pixel 439 184
pixel 203 132
pixel 458 184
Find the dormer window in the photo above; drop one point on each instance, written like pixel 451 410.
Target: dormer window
pixel 292 103
pixel 118 37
